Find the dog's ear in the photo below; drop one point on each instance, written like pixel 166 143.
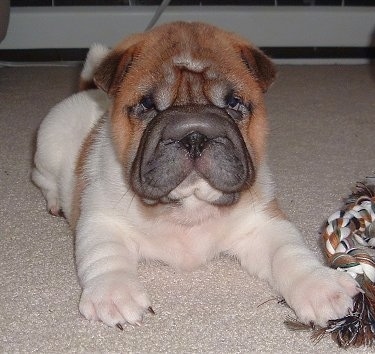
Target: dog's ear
pixel 259 65
pixel 113 69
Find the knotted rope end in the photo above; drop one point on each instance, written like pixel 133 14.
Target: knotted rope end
pixel 349 240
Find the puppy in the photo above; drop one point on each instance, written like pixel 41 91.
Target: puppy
pixel 167 161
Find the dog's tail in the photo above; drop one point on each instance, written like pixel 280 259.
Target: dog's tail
pixel 95 56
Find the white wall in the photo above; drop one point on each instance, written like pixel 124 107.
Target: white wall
pixel 78 27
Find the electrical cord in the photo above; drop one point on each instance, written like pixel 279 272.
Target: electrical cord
pixel 159 11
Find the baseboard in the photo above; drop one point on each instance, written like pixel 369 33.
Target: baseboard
pixel 79 54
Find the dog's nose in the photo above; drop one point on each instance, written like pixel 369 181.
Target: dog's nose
pixel 194 143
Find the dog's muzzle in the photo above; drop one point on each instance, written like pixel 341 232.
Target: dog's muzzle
pixel 186 141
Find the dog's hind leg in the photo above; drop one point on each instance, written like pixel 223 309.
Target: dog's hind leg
pixel 48 185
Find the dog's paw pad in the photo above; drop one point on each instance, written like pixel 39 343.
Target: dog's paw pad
pixel 114 302
pixel 323 295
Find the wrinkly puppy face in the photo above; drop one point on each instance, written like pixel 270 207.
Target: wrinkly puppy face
pixel 188 116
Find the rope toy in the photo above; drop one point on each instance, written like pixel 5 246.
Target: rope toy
pixel 349 240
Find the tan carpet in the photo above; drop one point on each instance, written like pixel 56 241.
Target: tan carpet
pixel 321 143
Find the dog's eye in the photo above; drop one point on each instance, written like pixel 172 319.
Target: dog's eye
pixel 234 102
pixel 236 107
pixel 147 103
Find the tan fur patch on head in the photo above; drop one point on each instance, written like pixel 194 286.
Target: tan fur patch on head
pixel 187 63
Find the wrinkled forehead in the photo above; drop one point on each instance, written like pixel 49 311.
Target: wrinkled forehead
pixel 188 79
pixel 186 61
pixel 188 76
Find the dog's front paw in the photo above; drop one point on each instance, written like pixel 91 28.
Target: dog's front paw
pixel 325 294
pixel 114 299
